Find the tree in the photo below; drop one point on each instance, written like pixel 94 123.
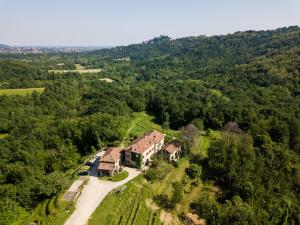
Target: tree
pixel 232 127
pixel 190 135
pixel 194 171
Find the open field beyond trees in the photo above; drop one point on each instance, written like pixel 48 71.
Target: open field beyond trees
pixel 22 91
pixel 142 122
pixel 79 69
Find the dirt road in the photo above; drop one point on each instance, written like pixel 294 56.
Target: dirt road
pixel 92 195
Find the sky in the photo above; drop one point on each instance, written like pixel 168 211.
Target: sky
pixel 122 22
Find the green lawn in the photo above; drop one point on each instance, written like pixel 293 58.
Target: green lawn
pixel 131 207
pixel 79 69
pixel 204 141
pixel 3 136
pixel 118 177
pixel 142 122
pixel 23 91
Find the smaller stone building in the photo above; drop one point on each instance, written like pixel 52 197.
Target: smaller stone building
pixel 110 162
pixel 172 150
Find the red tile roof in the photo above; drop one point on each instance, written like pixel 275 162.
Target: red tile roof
pixel 173 146
pixel 143 143
pixel 106 166
pixel 112 154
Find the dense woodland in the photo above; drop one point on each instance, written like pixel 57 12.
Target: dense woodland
pixel 246 84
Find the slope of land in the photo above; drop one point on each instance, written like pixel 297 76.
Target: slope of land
pixel 245 85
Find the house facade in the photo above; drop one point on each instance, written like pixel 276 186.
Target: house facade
pixel 139 153
pixel 110 162
pixel 171 151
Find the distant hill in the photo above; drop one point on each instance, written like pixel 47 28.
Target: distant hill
pixel 4 46
pixel 193 57
pixel 235 47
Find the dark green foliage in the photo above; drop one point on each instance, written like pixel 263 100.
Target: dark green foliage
pixel 194 171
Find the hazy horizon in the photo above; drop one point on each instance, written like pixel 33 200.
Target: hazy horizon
pixel 94 23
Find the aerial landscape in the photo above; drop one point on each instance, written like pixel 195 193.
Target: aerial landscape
pixel 150 112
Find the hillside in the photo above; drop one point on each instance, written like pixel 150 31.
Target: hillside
pixel 242 86
pixel 237 48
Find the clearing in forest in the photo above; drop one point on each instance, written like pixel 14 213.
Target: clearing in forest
pixel 141 123
pixel 135 204
pixel 79 69
pixel 22 91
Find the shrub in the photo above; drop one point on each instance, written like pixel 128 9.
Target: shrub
pixel 194 171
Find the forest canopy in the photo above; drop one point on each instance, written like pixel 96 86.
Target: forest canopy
pixel 246 80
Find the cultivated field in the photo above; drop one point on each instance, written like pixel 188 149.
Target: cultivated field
pixel 23 91
pixel 79 69
pixel 127 208
pixel 52 212
pixel 135 205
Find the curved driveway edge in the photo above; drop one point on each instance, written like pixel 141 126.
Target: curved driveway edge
pixel 93 193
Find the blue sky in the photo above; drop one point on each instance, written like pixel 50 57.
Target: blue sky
pixel 120 22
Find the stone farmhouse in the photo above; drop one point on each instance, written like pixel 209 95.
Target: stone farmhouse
pixel 110 162
pixel 171 151
pixel 138 153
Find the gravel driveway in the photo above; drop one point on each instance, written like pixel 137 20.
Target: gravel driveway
pixel 92 195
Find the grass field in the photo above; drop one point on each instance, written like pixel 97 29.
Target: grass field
pixel 135 205
pixel 143 122
pixel 204 142
pixel 116 178
pixel 79 69
pixel 128 207
pixel 3 136
pixel 23 91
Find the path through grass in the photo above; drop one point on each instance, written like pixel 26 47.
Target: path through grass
pixel 131 207
pixel 128 207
